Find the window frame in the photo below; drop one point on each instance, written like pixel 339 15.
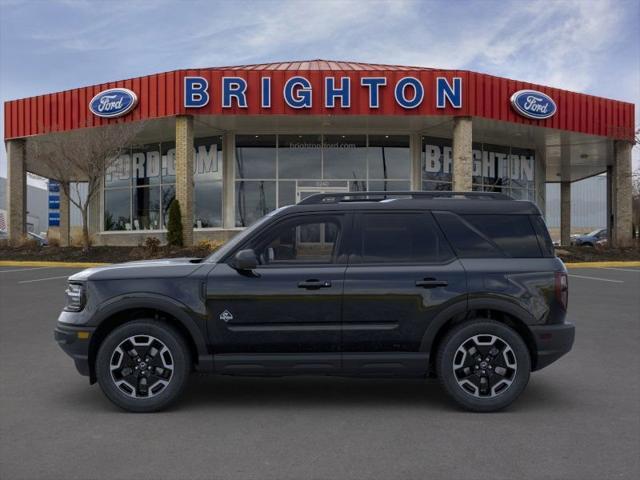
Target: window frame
pixel 355 256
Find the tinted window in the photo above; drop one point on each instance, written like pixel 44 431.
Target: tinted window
pixel 305 240
pixel 513 234
pixel 544 240
pixel 402 237
pixel 466 240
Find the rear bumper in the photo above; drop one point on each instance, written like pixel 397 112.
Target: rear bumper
pixel 552 342
pixel 75 343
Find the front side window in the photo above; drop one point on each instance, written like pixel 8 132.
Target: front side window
pixel 402 238
pixel 302 241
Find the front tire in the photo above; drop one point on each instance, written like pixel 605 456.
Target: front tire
pixel 143 365
pixel 483 365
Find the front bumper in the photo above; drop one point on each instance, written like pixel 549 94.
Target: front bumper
pixel 552 342
pixel 74 340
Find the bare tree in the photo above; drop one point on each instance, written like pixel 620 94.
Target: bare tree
pixel 82 156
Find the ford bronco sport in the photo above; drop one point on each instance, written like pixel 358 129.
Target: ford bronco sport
pixel 462 286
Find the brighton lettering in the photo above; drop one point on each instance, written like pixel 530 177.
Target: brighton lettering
pixel 297 92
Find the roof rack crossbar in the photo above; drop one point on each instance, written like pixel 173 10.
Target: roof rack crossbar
pixel 320 198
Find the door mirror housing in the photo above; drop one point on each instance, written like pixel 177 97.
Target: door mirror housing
pixel 245 260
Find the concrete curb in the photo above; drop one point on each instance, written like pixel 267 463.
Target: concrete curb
pixel 20 263
pixel 602 264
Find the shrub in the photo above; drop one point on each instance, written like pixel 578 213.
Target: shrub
pixel 152 246
pixel 174 226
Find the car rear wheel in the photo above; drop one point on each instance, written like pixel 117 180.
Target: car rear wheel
pixel 143 365
pixel 483 365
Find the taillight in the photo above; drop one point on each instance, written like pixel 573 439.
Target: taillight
pixel 562 289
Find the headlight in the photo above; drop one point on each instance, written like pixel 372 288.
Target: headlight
pixel 75 297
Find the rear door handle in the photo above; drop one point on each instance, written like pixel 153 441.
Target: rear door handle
pixel 314 284
pixel 431 283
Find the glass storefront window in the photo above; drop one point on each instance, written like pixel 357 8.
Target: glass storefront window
pixel 256 156
pixel 254 199
pixel 117 209
pixel 146 208
pixel 151 171
pixel 388 156
pixel 345 156
pixel 300 156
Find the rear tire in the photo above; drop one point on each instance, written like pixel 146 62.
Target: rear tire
pixel 143 365
pixel 483 365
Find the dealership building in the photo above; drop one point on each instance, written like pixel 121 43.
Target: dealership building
pixel 234 143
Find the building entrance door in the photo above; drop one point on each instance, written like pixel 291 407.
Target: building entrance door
pixel 307 191
pixel 317 238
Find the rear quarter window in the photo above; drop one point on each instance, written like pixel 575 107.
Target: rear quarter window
pixel 490 236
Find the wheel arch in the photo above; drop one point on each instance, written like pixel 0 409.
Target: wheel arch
pixel 498 309
pixel 121 311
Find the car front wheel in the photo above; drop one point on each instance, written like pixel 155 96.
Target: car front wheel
pixel 483 365
pixel 143 365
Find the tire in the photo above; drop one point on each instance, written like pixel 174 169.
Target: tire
pixel 460 372
pixel 161 352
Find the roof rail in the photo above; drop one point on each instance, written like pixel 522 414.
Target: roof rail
pixel 320 198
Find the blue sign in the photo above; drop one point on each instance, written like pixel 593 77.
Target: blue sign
pixel 533 104
pixel 54 219
pixel 54 203
pixel 54 187
pixel 114 102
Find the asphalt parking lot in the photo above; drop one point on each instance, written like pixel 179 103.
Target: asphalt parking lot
pixel 579 418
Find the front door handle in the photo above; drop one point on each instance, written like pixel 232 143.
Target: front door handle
pixel 314 284
pixel 431 283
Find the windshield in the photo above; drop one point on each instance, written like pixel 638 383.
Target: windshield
pixel 594 233
pixel 240 237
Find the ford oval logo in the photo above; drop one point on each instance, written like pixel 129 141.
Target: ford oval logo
pixel 533 104
pixel 114 102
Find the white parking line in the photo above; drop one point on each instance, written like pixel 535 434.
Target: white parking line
pixel 597 278
pixel 43 279
pixel 23 269
pixel 621 269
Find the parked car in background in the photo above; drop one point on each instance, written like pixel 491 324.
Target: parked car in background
pixel 590 239
pixel 41 239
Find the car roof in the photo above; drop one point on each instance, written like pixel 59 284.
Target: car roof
pixel 464 203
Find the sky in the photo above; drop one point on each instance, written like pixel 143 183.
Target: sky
pixel 582 45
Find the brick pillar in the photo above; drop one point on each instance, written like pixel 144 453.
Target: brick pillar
pixel 228 181
pixel 65 216
pixel 184 174
pixel 565 213
pixel 415 147
pixel 16 191
pixel 621 235
pixel 462 154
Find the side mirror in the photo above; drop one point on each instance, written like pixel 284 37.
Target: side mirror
pixel 245 260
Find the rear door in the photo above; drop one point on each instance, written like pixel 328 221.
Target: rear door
pixel 401 275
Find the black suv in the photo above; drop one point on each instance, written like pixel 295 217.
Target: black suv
pixel 462 286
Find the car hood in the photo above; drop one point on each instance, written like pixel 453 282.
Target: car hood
pixel 163 268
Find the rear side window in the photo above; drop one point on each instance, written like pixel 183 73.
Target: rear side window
pixel 402 238
pixel 543 236
pixel 467 241
pixel 513 234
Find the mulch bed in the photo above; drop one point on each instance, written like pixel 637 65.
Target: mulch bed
pixel 590 254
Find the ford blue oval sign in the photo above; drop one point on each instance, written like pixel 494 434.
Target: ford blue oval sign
pixel 533 104
pixel 114 102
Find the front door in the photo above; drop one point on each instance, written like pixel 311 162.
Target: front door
pixel 403 273
pixel 287 313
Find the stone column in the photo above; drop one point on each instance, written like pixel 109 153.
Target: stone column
pixel 65 216
pixel 565 213
pixel 621 234
pixel 462 154
pixel 16 191
pixel 228 180
pixel 184 174
pixel 415 147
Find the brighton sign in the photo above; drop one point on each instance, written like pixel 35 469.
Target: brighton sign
pixel 113 103
pixel 408 92
pixel 533 104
